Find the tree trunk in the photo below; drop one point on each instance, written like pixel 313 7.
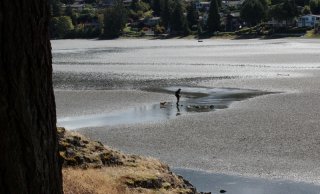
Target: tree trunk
pixel 28 144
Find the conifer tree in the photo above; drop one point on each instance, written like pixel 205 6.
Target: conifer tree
pixel 114 21
pixel 213 23
pixel 192 15
pixel 178 21
pixel 156 6
pixel 165 12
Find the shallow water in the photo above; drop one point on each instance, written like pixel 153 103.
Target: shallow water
pixel 274 136
pixel 195 99
pixel 210 182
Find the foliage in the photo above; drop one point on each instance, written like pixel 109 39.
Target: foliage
pixel 67 1
pixel 213 23
pixel 114 21
pixel 178 21
pixel 306 10
pixel 253 11
pixel 156 6
pixel 284 11
pixel 166 10
pixel 315 6
pixel 55 8
pixel 159 29
pixel 61 26
pixel 192 15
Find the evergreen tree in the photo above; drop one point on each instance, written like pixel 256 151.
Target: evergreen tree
pixel 178 21
pixel 284 11
pixel 219 3
pixel 55 8
pixel 315 6
pixel 166 12
pixel 134 5
pixel 156 6
pixel 114 21
pixel 213 23
pixel 192 15
pixel 253 11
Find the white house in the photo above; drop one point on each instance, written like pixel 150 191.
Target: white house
pixel 75 6
pixel 308 20
pixel 232 3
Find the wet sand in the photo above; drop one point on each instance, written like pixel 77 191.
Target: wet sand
pixel 270 136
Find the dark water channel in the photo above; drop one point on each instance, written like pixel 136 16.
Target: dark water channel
pixel 194 100
pixel 214 183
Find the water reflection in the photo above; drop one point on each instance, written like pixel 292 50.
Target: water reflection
pixel 194 100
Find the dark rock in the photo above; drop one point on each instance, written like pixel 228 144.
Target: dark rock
pixel 70 152
pixel 79 160
pixel 223 191
pixel 85 141
pixel 109 159
pixel 148 183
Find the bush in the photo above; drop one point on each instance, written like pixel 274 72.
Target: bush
pixel 60 26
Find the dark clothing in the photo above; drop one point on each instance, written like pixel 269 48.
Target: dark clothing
pixel 177 94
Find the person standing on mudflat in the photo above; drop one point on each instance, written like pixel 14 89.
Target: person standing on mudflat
pixel 177 94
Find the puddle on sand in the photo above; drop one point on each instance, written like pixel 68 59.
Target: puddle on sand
pixel 194 99
pixel 210 182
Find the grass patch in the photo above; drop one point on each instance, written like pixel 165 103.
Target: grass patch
pixel 312 34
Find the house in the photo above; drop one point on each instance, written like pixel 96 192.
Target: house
pixel 151 22
pixel 127 3
pixel 106 3
pixel 232 21
pixel 202 5
pixel 75 6
pixel 308 20
pixel 232 3
pixel 281 23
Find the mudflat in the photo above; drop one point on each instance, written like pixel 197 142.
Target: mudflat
pixel 271 136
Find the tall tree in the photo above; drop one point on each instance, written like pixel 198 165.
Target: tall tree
pixel 213 23
pixel 192 15
pixel 28 141
pixel 55 8
pixel 284 11
pixel 219 3
pixel 156 6
pixel 253 11
pixel 114 21
pixel 315 6
pixel 178 20
pixel 166 11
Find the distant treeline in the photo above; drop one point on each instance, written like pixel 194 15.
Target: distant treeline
pixel 113 18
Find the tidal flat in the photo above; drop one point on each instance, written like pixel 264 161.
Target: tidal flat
pixel 272 136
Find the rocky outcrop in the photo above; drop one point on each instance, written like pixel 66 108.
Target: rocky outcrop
pixel 134 172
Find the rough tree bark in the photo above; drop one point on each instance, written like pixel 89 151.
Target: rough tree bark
pixel 28 145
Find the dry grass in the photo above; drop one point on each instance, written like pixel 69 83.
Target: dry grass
pixel 116 180
pixel 91 168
